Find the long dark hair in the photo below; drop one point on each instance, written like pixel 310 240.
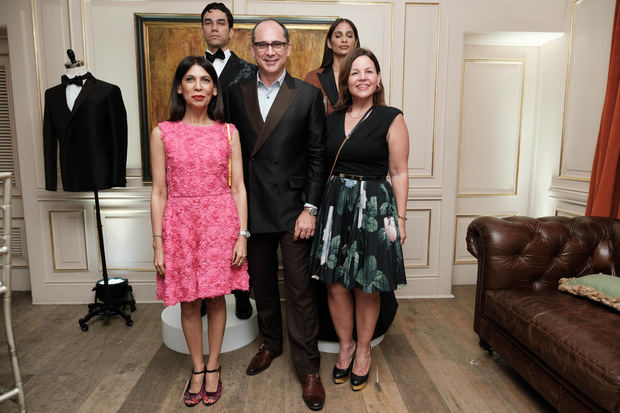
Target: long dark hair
pixel 328 54
pixel 215 108
pixel 344 97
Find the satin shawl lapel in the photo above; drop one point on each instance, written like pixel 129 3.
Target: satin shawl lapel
pixel 280 104
pixel 229 71
pixel 60 101
pixel 87 89
pixel 250 100
pixel 326 77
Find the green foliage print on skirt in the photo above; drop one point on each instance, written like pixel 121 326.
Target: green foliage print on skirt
pixel 357 241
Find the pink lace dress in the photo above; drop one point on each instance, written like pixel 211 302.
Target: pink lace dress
pixel 200 225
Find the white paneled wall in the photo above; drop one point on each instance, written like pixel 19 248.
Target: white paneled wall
pixel 420 85
pixel 589 59
pixel 490 127
pixel 485 122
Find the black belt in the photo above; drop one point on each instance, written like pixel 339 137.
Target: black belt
pixel 360 178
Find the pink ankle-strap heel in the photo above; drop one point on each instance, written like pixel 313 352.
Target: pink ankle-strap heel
pixel 192 399
pixel 210 398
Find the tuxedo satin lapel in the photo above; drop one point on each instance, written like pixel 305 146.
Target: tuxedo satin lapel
pixel 250 99
pixel 326 78
pixel 280 104
pixel 87 89
pixel 61 110
pixel 229 70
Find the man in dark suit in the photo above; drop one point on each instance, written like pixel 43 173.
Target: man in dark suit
pixel 217 30
pixel 281 122
pixel 92 135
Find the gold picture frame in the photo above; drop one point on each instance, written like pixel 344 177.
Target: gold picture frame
pixel 163 40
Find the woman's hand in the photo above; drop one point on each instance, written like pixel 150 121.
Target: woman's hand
pixel 158 256
pixel 240 252
pixel 403 230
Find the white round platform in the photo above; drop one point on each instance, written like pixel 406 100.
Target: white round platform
pixel 238 333
pixel 334 346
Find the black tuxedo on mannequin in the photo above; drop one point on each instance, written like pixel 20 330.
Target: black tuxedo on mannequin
pixel 284 167
pixel 92 137
pixel 236 70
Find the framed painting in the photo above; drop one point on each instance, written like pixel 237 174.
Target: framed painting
pixel 162 40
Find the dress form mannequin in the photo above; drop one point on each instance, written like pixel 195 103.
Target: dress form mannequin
pixel 72 70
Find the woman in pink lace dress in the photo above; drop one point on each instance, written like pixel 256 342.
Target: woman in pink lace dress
pixel 198 216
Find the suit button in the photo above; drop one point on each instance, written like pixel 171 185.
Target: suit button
pixel 252 158
pixel 275 162
pixel 275 185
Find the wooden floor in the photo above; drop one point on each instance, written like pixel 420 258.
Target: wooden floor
pixel 428 362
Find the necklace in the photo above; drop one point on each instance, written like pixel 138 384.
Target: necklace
pixel 357 117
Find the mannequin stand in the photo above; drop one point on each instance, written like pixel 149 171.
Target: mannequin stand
pixel 113 295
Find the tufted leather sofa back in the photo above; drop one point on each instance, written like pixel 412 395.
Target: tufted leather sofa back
pixel 534 253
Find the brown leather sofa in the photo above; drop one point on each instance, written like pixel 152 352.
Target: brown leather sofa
pixel 566 347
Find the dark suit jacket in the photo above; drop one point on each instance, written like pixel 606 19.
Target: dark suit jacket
pixel 236 70
pixel 92 137
pixel 283 157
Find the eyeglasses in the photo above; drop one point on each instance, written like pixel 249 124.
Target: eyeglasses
pixel 277 46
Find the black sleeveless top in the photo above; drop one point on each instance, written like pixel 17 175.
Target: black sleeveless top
pixel 366 151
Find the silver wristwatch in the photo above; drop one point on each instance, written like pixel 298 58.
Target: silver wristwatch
pixel 311 210
pixel 244 233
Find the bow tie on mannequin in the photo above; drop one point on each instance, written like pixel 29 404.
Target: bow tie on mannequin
pixel 217 55
pixel 77 80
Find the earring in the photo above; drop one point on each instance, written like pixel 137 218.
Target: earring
pixel 378 87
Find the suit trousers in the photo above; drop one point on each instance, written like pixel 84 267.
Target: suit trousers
pixel 300 304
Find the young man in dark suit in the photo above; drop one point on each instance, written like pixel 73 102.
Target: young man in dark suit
pixel 217 30
pixel 281 123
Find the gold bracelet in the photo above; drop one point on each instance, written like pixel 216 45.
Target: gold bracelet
pixel 403 218
pixel 156 236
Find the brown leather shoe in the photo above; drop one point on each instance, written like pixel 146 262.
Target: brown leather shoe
pixel 313 392
pixel 261 360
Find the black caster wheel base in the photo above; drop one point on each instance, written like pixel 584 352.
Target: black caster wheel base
pixel 83 326
pixel 129 323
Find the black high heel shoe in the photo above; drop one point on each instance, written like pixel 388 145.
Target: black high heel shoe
pixel 359 382
pixel 341 375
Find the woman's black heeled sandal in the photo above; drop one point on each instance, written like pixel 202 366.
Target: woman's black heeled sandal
pixel 359 382
pixel 341 375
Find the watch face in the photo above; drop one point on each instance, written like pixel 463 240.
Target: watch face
pixel 312 211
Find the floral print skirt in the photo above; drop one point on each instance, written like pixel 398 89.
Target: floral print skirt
pixel 357 241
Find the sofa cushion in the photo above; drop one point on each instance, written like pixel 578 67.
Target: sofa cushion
pixel 598 287
pixel 577 338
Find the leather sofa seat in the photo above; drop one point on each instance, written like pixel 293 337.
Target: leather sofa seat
pixel 572 335
pixel 566 347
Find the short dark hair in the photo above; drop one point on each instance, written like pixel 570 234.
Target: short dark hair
pixel 344 97
pixel 328 54
pixel 215 108
pixel 284 29
pixel 221 7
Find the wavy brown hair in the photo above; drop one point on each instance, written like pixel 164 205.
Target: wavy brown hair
pixel 344 97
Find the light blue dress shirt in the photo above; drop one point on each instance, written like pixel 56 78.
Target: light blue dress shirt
pixel 266 95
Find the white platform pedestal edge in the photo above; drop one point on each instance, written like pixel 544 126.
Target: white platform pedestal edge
pixel 238 333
